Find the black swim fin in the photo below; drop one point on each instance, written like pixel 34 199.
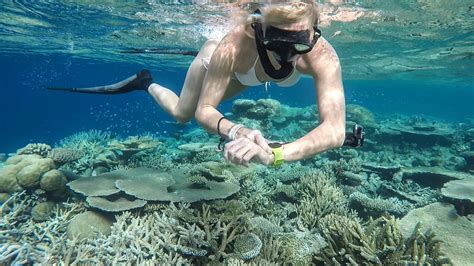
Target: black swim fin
pixel 139 81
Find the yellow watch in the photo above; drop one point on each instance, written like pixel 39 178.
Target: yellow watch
pixel 277 150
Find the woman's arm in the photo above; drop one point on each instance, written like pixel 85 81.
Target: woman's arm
pixel 213 89
pixel 323 65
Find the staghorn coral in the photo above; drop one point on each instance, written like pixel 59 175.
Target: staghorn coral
pixel 159 158
pixel 381 243
pixel 256 194
pixel 160 238
pixel 454 230
pixel 386 237
pixel 320 197
pixel 90 144
pixel 92 141
pixel 219 234
pixel 225 171
pixel 347 242
pixel 284 192
pixel 424 249
pixel 23 241
pixel 133 239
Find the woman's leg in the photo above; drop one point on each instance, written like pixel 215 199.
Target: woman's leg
pixel 182 108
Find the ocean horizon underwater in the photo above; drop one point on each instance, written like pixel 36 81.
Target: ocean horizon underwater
pixel 113 179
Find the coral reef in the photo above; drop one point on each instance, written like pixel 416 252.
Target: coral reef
pixel 148 184
pixel 247 246
pixel 176 202
pixel 40 149
pixel 62 156
pixel 160 237
pixel 23 241
pixel 461 194
pixel 320 197
pixel 375 207
pixel 441 219
pixel 30 172
pixel 381 243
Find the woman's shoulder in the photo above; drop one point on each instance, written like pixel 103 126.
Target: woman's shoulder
pixel 236 45
pixel 322 55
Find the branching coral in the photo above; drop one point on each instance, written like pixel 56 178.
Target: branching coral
pixel 375 207
pixel 90 144
pixel 347 242
pixel 219 233
pixel 381 243
pixel 424 249
pixel 23 241
pixel 161 237
pixel 320 197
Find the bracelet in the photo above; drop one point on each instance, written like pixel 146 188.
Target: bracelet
pixel 233 131
pixel 220 145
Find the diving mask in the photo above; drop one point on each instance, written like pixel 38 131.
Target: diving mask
pixel 287 43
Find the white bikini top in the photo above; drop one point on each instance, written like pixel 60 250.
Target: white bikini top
pixel 250 78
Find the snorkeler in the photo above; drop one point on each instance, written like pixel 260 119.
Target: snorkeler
pixel 277 43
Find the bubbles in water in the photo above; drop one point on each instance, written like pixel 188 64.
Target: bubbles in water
pixel 130 118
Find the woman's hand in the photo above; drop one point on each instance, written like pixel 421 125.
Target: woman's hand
pixel 243 150
pixel 256 137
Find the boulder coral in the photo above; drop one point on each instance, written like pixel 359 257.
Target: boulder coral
pixel 24 172
pixel 89 225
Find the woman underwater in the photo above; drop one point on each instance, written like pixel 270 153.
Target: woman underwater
pixel 278 43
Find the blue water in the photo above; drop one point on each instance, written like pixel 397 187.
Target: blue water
pixel 29 113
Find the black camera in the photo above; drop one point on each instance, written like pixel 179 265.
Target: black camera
pixel 356 138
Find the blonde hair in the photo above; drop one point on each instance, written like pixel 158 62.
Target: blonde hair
pixel 286 12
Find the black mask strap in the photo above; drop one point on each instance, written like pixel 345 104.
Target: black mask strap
pixel 286 67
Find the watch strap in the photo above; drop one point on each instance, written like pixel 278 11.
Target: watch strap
pixel 278 156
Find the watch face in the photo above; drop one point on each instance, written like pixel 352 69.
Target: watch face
pixel 275 144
